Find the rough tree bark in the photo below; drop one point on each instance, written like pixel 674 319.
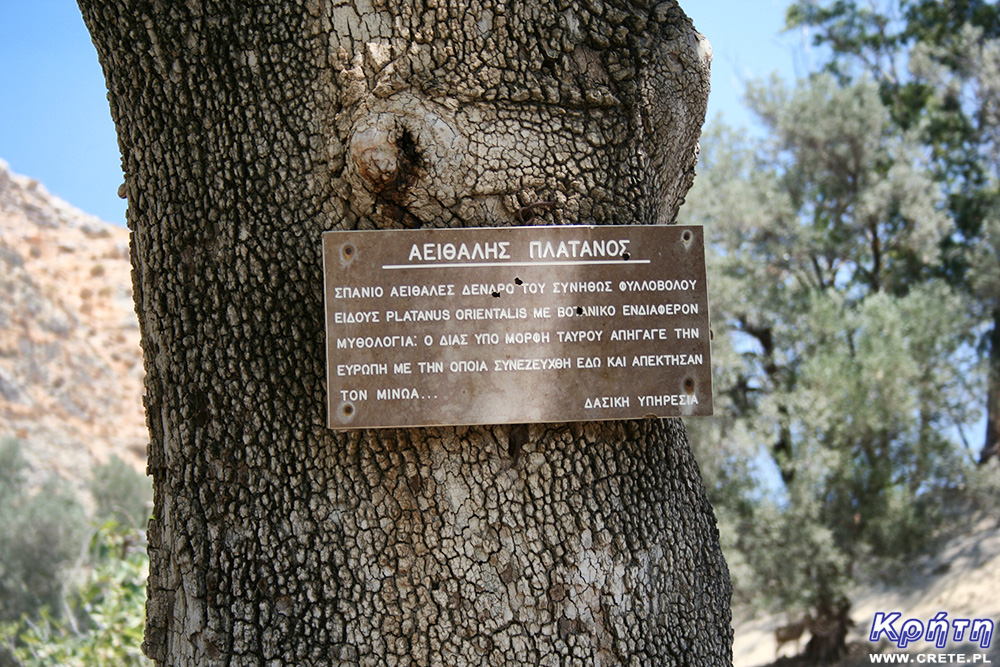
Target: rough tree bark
pixel 245 132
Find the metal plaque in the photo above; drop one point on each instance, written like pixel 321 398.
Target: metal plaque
pixel 504 325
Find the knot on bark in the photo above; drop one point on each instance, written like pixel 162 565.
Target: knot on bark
pixel 405 161
pixel 381 151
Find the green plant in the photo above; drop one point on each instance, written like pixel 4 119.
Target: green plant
pixel 105 626
pixel 120 491
pixel 845 364
pixel 40 532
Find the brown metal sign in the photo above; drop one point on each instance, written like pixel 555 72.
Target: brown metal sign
pixel 504 325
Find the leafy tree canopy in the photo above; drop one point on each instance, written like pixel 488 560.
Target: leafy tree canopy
pixel 847 366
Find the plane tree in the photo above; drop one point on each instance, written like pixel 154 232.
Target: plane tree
pixel 248 129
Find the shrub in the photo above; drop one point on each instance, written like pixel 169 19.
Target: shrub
pixel 105 628
pixel 121 492
pixel 40 532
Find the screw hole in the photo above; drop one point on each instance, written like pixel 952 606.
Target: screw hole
pixel 348 251
pixel 689 385
pixel 687 236
pixel 348 410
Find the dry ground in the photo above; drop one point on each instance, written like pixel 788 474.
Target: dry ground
pixel 963 579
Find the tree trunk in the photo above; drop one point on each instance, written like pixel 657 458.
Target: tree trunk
pixel 991 444
pixel 245 133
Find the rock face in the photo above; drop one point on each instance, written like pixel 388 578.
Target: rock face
pixel 70 362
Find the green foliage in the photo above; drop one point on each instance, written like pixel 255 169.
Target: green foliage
pixel 855 264
pixel 40 533
pixel 121 492
pixel 845 361
pixel 12 466
pixel 108 605
pixel 64 601
pixel 937 67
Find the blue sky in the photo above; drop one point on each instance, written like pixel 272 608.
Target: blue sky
pixel 55 125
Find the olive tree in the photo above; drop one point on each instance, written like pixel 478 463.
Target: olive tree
pixel 246 130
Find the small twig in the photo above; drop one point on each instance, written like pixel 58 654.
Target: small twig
pixel 516 437
pixel 527 213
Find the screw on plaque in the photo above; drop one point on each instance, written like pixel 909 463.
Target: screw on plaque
pixel 346 413
pixel 347 254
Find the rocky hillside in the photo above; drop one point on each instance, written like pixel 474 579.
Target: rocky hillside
pixel 70 362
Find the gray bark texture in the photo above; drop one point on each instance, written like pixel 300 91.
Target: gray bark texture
pixel 246 130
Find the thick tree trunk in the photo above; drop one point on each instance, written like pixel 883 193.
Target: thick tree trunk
pixel 245 133
pixel 991 444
